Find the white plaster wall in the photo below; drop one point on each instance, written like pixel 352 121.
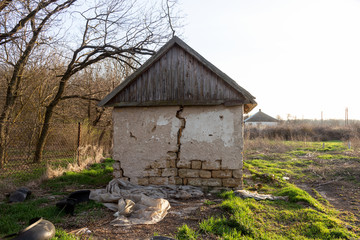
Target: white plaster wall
pixel 143 136
pixel 213 133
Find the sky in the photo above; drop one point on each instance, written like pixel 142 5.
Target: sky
pixel 299 58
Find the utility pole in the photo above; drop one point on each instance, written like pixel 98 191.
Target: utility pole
pixel 346 116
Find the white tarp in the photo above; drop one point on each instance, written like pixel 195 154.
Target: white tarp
pixel 136 204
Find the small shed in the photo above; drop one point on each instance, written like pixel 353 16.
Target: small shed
pixel 179 120
pixel 261 119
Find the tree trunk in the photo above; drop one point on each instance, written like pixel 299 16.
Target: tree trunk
pixel 46 124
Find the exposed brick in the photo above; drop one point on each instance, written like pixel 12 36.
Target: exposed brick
pixel 153 172
pixel 171 163
pixel 194 181
pixel 211 165
pixel 183 164
pixel 188 173
pixel 143 181
pixel 169 172
pixel 205 174
pixel 231 182
pixel 212 182
pixel 159 164
pixel 171 155
pixel 196 164
pixel 158 180
pixel 221 174
pixel 237 173
pixel 178 181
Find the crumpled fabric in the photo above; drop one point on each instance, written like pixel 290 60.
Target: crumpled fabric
pixel 135 204
pixel 257 196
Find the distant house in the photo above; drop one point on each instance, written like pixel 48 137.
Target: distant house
pixel 261 119
pixel 179 120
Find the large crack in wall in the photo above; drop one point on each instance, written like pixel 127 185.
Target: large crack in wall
pixel 183 124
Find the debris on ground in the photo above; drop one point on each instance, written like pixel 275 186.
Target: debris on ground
pixel 257 196
pixel 68 204
pixel 19 195
pixel 135 204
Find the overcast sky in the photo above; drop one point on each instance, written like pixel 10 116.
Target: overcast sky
pixel 297 57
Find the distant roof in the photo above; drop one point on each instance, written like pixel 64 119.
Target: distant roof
pixel 178 75
pixel 261 117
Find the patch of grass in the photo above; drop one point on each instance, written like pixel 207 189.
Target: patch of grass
pixel 98 174
pixel 60 234
pixel 186 233
pixel 208 202
pixel 16 216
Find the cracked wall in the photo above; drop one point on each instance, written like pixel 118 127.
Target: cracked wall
pixel 199 146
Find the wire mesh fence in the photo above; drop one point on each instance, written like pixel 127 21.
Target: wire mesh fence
pixel 61 148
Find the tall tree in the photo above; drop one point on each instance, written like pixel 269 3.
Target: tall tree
pixel 22 23
pixel 124 30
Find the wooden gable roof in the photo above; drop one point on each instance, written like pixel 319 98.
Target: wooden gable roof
pixel 178 75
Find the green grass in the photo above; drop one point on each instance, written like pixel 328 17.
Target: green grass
pixel 303 216
pixel 97 175
pixel 16 216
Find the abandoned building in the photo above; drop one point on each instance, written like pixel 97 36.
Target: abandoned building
pixel 179 120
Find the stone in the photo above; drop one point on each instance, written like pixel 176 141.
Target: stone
pixel 211 165
pixel 212 182
pixel 231 182
pixel 153 172
pixel 143 181
pixel 159 164
pixel 237 173
pixel 169 172
pixel 205 174
pixel 194 181
pixel 188 173
pixel 196 164
pixel 183 164
pixel 171 163
pixel 158 180
pixel 221 174
pixel 117 174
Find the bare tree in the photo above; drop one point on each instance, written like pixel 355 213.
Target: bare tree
pixel 22 23
pixel 124 30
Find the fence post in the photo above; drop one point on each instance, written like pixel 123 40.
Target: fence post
pixel 78 144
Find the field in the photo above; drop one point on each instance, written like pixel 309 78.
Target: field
pixel 320 179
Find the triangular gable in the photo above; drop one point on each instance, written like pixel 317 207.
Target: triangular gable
pixel 261 117
pixel 178 75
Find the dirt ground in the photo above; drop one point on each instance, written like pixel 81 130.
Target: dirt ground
pixel 190 212
pixel 338 181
